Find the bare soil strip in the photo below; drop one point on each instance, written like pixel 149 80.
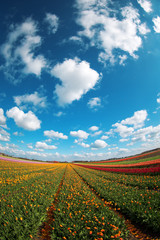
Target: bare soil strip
pixel 45 229
pixel 134 231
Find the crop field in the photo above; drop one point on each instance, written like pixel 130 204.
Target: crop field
pixel 49 201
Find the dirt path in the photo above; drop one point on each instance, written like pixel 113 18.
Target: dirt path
pixel 45 229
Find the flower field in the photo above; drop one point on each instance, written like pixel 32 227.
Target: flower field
pixel 141 164
pixel 68 201
pixel 27 190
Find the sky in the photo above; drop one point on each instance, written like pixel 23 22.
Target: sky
pixel 79 78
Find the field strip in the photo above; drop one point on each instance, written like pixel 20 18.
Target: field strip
pixel 124 170
pixel 45 229
pixel 135 231
pixel 153 186
pixel 154 153
pixel 140 164
pixel 22 180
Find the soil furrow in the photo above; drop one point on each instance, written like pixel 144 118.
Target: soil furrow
pixel 45 229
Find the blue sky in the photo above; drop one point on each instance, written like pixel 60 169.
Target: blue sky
pixel 79 78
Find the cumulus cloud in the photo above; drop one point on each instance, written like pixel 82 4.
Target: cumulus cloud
pixel 53 22
pixel 94 128
pixel 137 120
pixel 76 77
pixel 18 51
pixel 97 133
pixel 53 134
pixel 79 134
pixel 123 130
pixel 98 144
pixel 150 134
pixel 94 102
pixel 34 99
pixel 108 32
pixel 43 145
pixel 143 29
pixel 104 137
pixel 156 22
pixel 4 135
pixel 28 121
pixel 146 5
pixel 84 145
pixel 2 117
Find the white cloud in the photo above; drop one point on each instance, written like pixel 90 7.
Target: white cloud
pixel 147 134
pixel 18 134
pixel 123 150
pixel 11 145
pixel 97 133
pixel 122 58
pixel 75 39
pixel 109 33
pixel 156 22
pixel 80 134
pixel 4 138
pixel 30 146
pixel 94 102
pixel 53 22
pixel 18 51
pixel 2 117
pixel 28 121
pixel 123 130
pixel 83 144
pixel 4 132
pixel 146 5
pixel 35 99
pixel 137 120
pixel 48 140
pixel 40 155
pixel 98 144
pixel 53 134
pixel 124 140
pixel 4 135
pixel 143 29
pixel 59 114
pixel 158 99
pixel 104 137
pixel 94 128
pixel 76 77
pixel 43 145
